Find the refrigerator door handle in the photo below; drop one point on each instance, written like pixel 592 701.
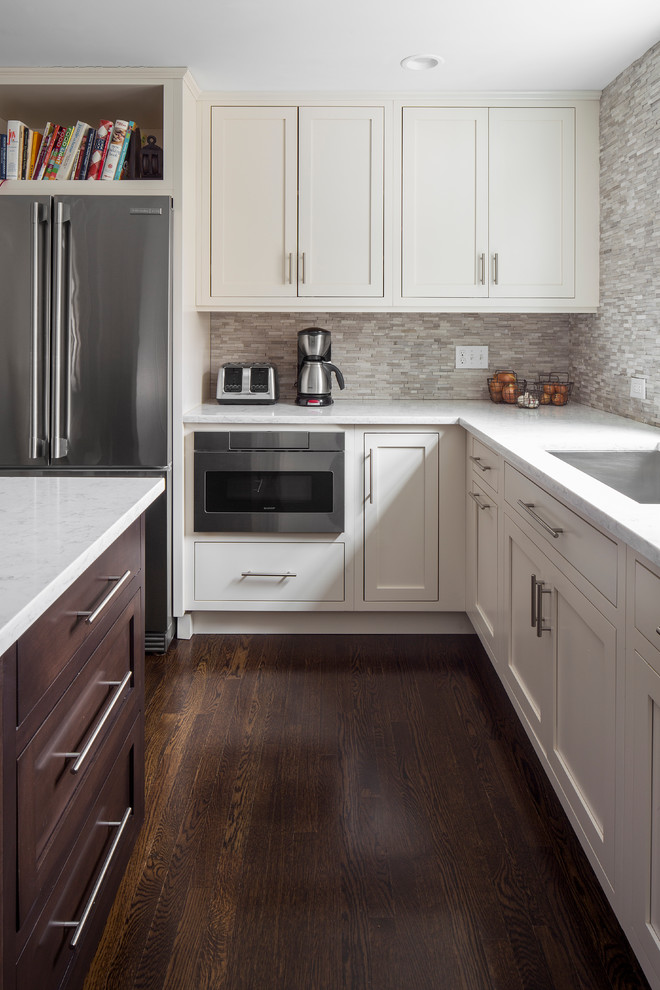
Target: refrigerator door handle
pixel 38 381
pixel 60 370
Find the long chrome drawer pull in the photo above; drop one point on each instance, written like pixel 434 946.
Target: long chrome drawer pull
pixel 80 925
pixel 85 751
pixel 533 616
pixel 477 461
pixel 529 506
pixel 275 574
pixel 540 591
pixel 91 616
pixel 476 496
pixel 371 476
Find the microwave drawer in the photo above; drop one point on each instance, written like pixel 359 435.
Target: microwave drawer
pixel 269 572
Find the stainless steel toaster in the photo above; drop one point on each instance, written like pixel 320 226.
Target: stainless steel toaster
pixel 242 384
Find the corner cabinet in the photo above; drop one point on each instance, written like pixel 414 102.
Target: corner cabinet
pixel 295 205
pixel 488 202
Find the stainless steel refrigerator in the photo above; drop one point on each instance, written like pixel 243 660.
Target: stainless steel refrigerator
pixel 85 352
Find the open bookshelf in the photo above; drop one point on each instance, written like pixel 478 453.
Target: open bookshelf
pixel 63 96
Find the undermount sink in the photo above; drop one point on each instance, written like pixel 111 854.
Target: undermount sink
pixel 635 473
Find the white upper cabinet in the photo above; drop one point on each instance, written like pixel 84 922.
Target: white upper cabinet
pixel 340 240
pixel 445 201
pixel 488 204
pixel 295 205
pixel 254 209
pixel 531 203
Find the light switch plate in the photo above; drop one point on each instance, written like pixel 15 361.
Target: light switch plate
pixel 638 388
pixel 472 356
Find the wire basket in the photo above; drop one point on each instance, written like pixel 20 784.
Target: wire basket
pixel 555 387
pixel 531 397
pixel 497 384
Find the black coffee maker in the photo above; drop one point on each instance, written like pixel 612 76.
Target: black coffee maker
pixel 314 368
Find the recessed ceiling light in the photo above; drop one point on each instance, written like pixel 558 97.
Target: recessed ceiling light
pixel 421 62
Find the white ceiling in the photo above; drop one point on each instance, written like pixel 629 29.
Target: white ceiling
pixel 341 44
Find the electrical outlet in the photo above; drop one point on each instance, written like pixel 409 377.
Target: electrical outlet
pixel 638 388
pixel 472 357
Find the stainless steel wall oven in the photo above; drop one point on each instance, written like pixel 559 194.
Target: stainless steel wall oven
pixel 269 481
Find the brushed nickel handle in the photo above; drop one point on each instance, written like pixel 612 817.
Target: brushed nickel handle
pixel 302 261
pixel 37 397
pixel 86 750
pixel 290 267
pixel 496 268
pixel 533 615
pixel 658 630
pixel 90 617
pixel 60 443
pixel 482 264
pixel 481 505
pixel 477 461
pixel 541 590
pixel 80 925
pixel 275 574
pixel 371 476
pixel 554 531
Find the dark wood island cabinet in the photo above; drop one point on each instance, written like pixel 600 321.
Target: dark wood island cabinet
pixel 72 797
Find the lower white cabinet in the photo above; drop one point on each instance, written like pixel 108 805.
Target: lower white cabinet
pixel 269 572
pixel 401 517
pixel 642 819
pixel 562 671
pixel 482 552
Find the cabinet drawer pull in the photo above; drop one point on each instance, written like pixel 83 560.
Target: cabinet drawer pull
pixel 476 497
pixel 482 265
pixel 528 507
pixel 477 461
pixel 302 264
pixel 89 617
pixel 275 574
pixel 85 751
pixel 533 616
pixel 289 279
pixel 541 590
pixel 496 268
pixel 80 925
pixel 371 476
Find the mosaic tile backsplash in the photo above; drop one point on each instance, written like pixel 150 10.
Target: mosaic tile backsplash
pixel 396 355
pixel 623 338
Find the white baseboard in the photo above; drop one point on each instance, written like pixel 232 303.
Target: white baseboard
pixel 324 623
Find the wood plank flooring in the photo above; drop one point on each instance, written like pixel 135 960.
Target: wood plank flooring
pixel 344 813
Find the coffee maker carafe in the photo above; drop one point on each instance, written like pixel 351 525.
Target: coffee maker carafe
pixel 315 369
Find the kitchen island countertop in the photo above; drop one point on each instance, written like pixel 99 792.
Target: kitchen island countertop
pixel 522 436
pixel 51 530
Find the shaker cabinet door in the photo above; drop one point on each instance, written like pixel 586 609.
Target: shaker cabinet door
pixel 445 202
pixel 531 206
pixel 253 205
pixel 341 201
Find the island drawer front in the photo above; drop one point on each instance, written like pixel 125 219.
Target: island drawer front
pixel 47 953
pixel 592 553
pixel 486 464
pixel 53 801
pixel 46 648
pixel 647 604
pixel 304 572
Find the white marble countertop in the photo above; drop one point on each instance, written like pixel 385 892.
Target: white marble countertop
pixel 51 530
pixel 523 436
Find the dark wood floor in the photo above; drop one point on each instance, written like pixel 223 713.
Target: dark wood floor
pixel 344 813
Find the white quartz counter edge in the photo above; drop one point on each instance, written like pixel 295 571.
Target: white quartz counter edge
pixel 523 436
pixel 51 530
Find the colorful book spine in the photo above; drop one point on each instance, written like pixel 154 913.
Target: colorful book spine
pixel 24 152
pixel 44 150
pixel 3 157
pixel 77 168
pixel 35 146
pixel 14 129
pixel 66 168
pixel 103 135
pixel 114 151
pixel 57 151
pixel 86 155
pixel 124 150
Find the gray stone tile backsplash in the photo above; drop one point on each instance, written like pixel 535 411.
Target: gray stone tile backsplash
pixel 623 338
pixel 396 355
